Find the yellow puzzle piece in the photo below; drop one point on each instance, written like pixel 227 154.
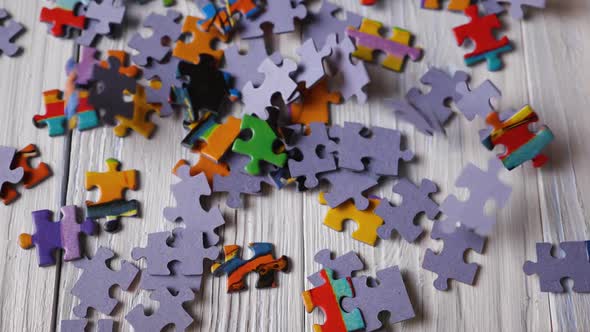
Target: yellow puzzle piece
pixel 140 122
pixel 367 221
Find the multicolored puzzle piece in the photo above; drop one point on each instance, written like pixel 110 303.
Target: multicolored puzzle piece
pixel 51 236
pixel 213 139
pixel 32 175
pixel 397 48
pixel 328 297
pixel 367 221
pixel 457 5
pixel 262 262
pixel 223 18
pixel 520 143
pixel 481 31
pixel 112 185
pixel 57 116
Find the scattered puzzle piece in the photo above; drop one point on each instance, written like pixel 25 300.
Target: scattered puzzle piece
pixel 397 48
pixel 211 138
pixel 457 5
pixel 56 119
pixel 201 42
pixel 140 122
pixel 390 295
pixel 324 23
pixel 94 284
pixel 9 30
pixel 552 270
pixel 279 13
pixel 520 143
pixel 450 263
pixel 348 185
pixel 480 31
pixel 205 166
pixel 342 266
pixel 8 174
pixel 100 19
pixel 311 63
pixel 174 282
pixel 32 176
pixel 478 101
pixel 415 200
pixel 262 262
pixel 112 185
pixel 353 76
pixel 164 79
pixel 51 236
pixel 367 221
pixel 131 71
pixel 314 105
pixel 152 47
pixel 516 6
pixel 170 312
pixel 260 147
pixel 328 297
pixel 61 19
pixel 79 325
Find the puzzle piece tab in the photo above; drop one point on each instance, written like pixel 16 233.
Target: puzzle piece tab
pixel 520 143
pixel 397 48
pixel 9 30
pixel 262 262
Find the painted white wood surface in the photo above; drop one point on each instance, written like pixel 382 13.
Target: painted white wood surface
pixel 547 70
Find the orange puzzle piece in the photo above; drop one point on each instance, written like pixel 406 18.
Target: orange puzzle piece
pixel 129 71
pixel 32 175
pixel 458 5
pixel 315 104
pixel 201 42
pixel 211 138
pixel 205 165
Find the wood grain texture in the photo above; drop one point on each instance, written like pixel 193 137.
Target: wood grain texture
pixel 548 69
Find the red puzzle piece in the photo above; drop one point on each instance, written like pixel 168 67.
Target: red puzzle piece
pixel 61 18
pixel 32 175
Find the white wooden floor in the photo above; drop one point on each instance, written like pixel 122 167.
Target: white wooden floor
pixel 548 69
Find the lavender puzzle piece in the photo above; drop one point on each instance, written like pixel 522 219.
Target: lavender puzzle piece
pixel 79 325
pixel 188 193
pixel 552 270
pixel 312 163
pixel 166 74
pixel 164 27
pixel 9 30
pixel 94 284
pixel 450 263
pixel 409 113
pixel 279 13
pixel 380 146
pixel 187 248
pixel 478 101
pixel 243 67
pixel 100 18
pixel 483 186
pixel 174 282
pixel 238 182
pixel 7 174
pixel 277 80
pixel 346 185
pixel 442 89
pixel 516 6
pixel 401 218
pixel 390 295
pixel 311 64
pixel 343 266
pixel 353 76
pixel 170 311
pixel 85 66
pixel 324 23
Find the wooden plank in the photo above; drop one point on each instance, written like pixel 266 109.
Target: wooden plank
pixel 27 291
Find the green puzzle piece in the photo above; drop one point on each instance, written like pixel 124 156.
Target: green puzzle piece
pixel 260 146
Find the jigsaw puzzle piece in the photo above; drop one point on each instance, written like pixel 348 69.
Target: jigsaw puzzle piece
pixel 101 17
pixel 152 47
pixel 174 282
pixel 140 122
pixel 314 105
pixel 279 13
pixel 171 312
pixel 205 166
pixel 348 185
pixel 327 297
pixel 211 138
pixel 8 174
pixel 342 266
pixel 397 48
pixel 311 63
pixel 457 5
pixel 478 101
pixel 516 6
pixel 325 22
pixel 9 30
pixel 262 262
pixel 125 68
pixel 520 143
pixel 367 221
pixel 201 42
pixel 32 176
pixel 353 76
pixel 80 325
pixel 260 147
pixel 60 19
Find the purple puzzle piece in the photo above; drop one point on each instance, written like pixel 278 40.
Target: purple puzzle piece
pixel 516 6
pixel 94 284
pixel 188 193
pixel 442 89
pixel 323 23
pixel 187 249
pixel 312 163
pixel 277 80
pixel 483 186
pixel 552 270
pixel 7 174
pixel 346 184
pixel 166 73
pixel 279 13
pixel 409 113
pixel 401 218
pixel 380 146
pixel 79 325
pixel 311 63
pixel 390 295
pixel 174 282
pixel 164 27
pixel 353 76
pixel 238 182
pixel 9 30
pixel 343 266
pixel 450 263
pixel 51 236
pixel 478 101
pixel 100 18
pixel 170 311
pixel 85 66
pixel 243 67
